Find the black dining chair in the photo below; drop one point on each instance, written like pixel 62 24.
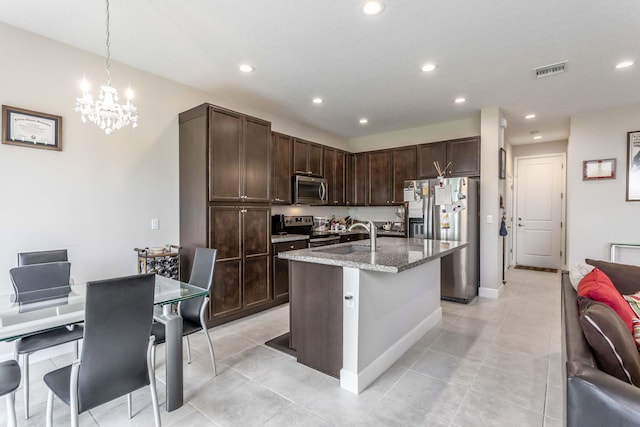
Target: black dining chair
pixel 194 310
pixel 38 277
pixel 41 257
pixel 9 382
pixel 116 357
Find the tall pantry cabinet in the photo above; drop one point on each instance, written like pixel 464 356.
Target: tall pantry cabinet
pixel 225 172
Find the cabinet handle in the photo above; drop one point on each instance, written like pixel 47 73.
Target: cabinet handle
pixel 291 246
pixel 243 211
pixel 277 200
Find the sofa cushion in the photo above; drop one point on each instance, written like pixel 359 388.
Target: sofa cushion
pixel 613 347
pixel 598 287
pixel 577 272
pixel 626 278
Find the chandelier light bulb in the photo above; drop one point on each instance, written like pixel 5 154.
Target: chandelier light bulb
pixel 106 112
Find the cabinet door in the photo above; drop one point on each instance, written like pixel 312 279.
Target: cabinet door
pixel 429 153
pixel 225 235
pixel 281 268
pixel 257 249
pixel 281 169
pixel 464 155
pixel 350 180
pixel 314 165
pixel 300 156
pixel 380 178
pixel 361 179
pixel 225 163
pixel 257 160
pixel 330 173
pixel 404 168
pixel 339 177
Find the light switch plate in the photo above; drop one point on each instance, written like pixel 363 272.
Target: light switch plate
pixel 489 219
pixel 155 224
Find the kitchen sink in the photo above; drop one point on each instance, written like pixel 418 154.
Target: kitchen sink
pixel 344 250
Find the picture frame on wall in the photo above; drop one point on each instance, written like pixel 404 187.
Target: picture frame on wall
pixel 502 164
pixel 29 128
pixel 598 169
pixel 633 166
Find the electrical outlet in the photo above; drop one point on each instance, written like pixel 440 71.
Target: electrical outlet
pixel 349 300
pixel 155 224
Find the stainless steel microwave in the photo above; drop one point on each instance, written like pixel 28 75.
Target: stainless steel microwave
pixel 309 190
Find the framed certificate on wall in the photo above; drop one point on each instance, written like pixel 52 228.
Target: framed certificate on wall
pixel 633 166
pixel 31 128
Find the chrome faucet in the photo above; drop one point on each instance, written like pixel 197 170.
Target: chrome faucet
pixel 371 229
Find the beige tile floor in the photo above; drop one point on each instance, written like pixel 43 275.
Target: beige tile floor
pixel 491 363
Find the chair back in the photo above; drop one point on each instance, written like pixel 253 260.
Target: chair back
pixel 204 263
pixel 117 326
pixel 38 277
pixel 40 257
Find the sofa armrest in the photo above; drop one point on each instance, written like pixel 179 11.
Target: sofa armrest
pixel 598 399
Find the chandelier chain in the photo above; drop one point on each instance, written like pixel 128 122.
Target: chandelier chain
pixel 108 48
pixel 106 111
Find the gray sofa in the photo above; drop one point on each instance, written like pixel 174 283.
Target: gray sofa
pixel 592 397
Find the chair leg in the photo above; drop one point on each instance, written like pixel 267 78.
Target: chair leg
pixel 75 348
pixel 11 410
pixel 25 373
pixel 49 415
pixel 211 353
pixel 129 405
pixel 188 349
pixel 151 368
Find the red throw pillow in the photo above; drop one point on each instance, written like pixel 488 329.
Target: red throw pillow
pixel 598 287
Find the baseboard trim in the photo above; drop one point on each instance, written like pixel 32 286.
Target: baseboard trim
pixel 490 292
pixel 357 382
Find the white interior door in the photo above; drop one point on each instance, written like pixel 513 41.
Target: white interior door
pixel 539 211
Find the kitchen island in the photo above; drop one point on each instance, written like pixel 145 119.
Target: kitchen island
pixel 354 311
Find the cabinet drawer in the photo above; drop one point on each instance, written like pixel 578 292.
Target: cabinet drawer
pixel 289 246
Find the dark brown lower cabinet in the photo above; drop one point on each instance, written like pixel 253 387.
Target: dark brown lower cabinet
pixel 280 268
pixel 242 276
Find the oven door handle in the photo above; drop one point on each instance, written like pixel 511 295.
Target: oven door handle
pixel 322 191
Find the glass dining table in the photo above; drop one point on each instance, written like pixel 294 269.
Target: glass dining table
pixel 38 311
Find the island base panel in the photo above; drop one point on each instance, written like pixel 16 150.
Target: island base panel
pixel 316 315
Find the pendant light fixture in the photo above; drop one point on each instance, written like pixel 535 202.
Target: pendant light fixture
pixel 106 112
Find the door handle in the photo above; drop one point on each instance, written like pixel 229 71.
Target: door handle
pixel 520 225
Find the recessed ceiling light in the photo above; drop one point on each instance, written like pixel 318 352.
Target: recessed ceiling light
pixel 364 121
pixel 624 64
pixel 460 100
pixel 246 68
pixel 530 116
pixel 537 137
pixel 429 67
pixel 318 100
pixel 372 7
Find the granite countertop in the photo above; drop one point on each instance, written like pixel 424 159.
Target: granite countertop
pixel 392 255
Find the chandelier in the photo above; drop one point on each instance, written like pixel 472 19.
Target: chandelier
pixel 106 112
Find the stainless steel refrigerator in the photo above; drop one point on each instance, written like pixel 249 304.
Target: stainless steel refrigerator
pixel 448 209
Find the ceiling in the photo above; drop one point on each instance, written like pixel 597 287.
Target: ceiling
pixel 370 66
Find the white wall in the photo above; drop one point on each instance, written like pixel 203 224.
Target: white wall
pixel 98 195
pixel 597 213
pixel 420 135
pixel 540 149
pixel 492 138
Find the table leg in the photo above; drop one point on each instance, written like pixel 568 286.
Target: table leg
pixel 173 336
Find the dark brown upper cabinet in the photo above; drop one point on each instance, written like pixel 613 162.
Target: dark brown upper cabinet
pixel 357 182
pixel 239 157
pixel 334 173
pixel 463 153
pixel 404 168
pixel 282 148
pixel 307 157
pixel 388 169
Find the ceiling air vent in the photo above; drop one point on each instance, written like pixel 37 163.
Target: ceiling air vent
pixel 550 70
